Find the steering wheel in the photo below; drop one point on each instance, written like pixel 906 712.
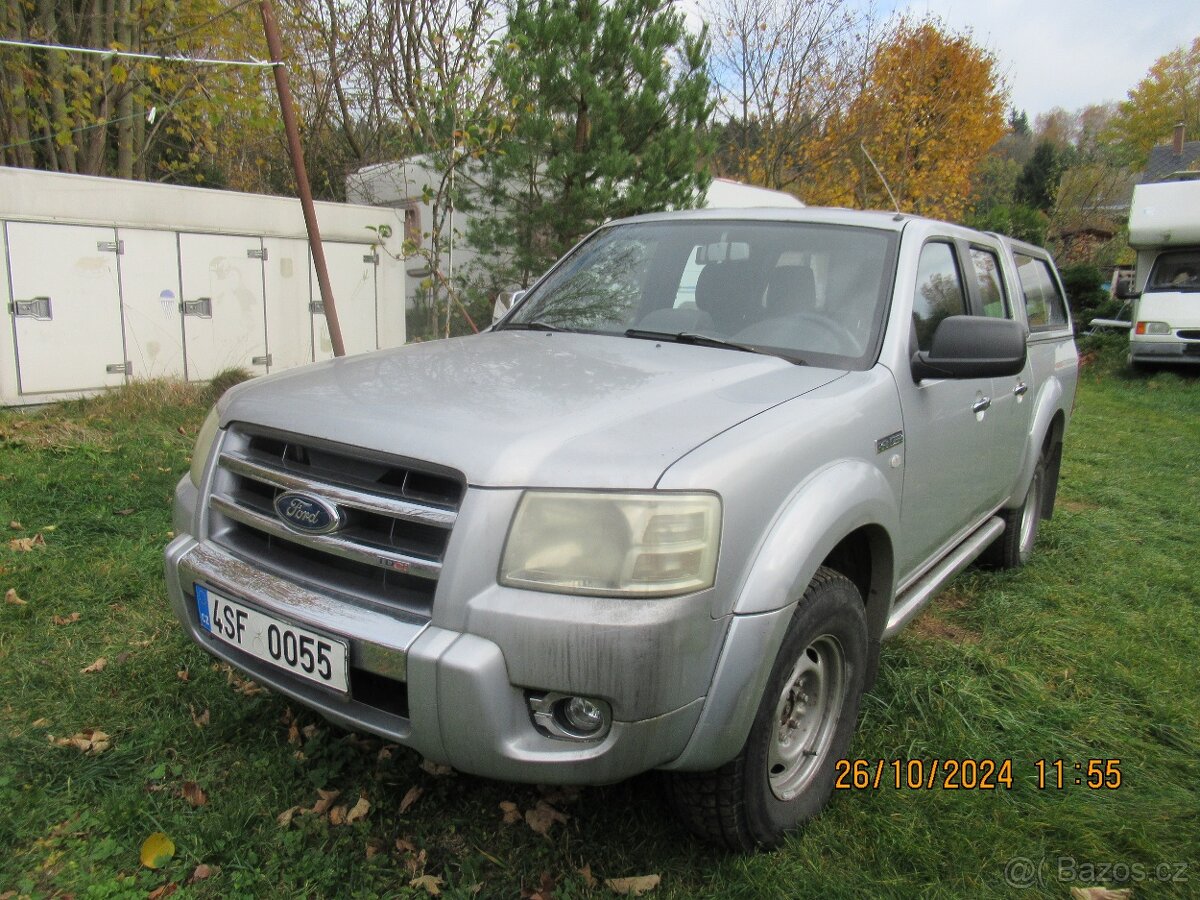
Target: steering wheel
pixel 804 331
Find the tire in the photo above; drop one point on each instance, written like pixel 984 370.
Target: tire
pixel 784 774
pixel 1014 547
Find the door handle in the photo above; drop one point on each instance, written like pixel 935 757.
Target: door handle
pixel 981 404
pixel 1021 389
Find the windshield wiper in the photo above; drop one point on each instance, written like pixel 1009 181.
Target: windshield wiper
pixel 535 325
pixel 705 340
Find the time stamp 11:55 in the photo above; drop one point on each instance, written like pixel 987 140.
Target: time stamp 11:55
pixel 974 774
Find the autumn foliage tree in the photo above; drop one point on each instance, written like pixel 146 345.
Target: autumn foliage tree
pixel 932 107
pixel 1168 95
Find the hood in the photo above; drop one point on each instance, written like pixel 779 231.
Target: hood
pixel 529 409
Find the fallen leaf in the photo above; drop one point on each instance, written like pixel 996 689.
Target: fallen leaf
pixel 157 850
pixel 634 886
pixel 374 848
pixel 430 883
pixel 588 878
pixel 183 675
pixel 162 891
pixel 1101 893
pixel 412 796
pixel 512 814
pixel 90 740
pixel 475 888
pixel 437 770
pixel 404 845
pixel 40 723
pixel 200 720
pixel 542 817
pixel 97 666
pixel 293 734
pixel 202 872
pixel 337 815
pixel 194 794
pixel 11 598
pixel 124 512
pixel 67 620
pixel 415 864
pixel 326 800
pixel 285 818
pixel 15 525
pixel 359 811
pixel 385 752
pixel 27 545
pixel 309 732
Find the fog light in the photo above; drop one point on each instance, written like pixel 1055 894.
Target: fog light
pixel 582 715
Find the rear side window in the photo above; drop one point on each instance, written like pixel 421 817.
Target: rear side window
pixel 1044 304
pixel 988 284
pixel 939 292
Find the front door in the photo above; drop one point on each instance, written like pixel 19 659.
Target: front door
pixel 224 313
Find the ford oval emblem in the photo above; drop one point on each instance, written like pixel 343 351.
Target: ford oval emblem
pixel 307 514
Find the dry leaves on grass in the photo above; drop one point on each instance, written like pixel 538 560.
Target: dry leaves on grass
pixel 431 884
pixel 16 526
pixel 634 886
pixel 67 620
pixel 157 850
pixel 184 675
pixel 201 719
pixel 193 793
pixel 543 816
pixel 242 685
pixel 437 770
pixel 340 816
pixel 92 741
pixel 512 813
pixel 411 796
pixel 202 872
pixel 163 891
pixel 97 666
pixel 11 598
pixel 27 545
pixel 1101 893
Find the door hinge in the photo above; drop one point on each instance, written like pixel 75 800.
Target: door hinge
pixel 257 254
pixel 125 368
pixel 264 360
pixel 372 258
pixel 37 308
pixel 201 308
pixel 117 247
pixel 316 307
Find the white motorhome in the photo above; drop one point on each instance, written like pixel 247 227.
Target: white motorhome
pixel 103 281
pixel 1164 228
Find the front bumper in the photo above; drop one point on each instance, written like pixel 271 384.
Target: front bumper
pixel 445 693
pixel 1164 349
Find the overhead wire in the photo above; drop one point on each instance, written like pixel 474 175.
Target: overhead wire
pixel 129 54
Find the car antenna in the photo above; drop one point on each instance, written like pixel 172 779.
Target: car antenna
pixel 881 178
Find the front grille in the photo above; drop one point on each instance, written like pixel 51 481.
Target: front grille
pixel 1189 334
pixel 398 515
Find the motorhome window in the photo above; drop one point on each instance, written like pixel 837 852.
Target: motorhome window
pixel 1178 270
pixel 1044 304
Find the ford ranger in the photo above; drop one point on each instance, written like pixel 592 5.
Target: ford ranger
pixel 661 515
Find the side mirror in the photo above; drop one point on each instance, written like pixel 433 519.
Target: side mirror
pixel 972 347
pixel 505 301
pixel 1123 289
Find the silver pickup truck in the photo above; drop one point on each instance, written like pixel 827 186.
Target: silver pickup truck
pixel 660 516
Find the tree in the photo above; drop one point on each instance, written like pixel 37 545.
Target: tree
pixel 125 117
pixel 1038 181
pixel 607 107
pixel 1169 94
pixel 932 107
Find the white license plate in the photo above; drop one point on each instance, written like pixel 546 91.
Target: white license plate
pixel 316 657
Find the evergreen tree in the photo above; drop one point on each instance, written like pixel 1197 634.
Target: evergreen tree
pixel 1018 122
pixel 609 106
pixel 1038 181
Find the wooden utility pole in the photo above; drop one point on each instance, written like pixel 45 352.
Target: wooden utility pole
pixel 296 151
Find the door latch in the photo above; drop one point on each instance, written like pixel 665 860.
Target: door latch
pixel 37 308
pixel 201 307
pixel 261 360
pixel 982 404
pixel 125 368
pixel 316 307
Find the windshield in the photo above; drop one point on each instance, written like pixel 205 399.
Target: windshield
pixel 808 292
pixel 1176 271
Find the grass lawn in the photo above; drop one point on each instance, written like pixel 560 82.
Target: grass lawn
pixel 1091 652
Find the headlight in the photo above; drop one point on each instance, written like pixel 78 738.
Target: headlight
pixel 204 442
pixel 613 545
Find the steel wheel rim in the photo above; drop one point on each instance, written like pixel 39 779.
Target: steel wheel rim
pixel 1030 513
pixel 806 717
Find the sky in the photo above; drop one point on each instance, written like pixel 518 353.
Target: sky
pixel 1067 53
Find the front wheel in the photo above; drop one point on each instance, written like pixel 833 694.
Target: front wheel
pixel 805 720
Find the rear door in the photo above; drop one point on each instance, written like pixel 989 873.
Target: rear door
pixel 352 279
pixel 66 307
pixel 224 313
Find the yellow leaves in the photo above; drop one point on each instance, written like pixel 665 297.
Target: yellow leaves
pixel 27 545
pixel 431 884
pixel 11 598
pixel 91 741
pixel 97 666
pixel 633 886
pixel 512 814
pixel 337 815
pixel 157 850
pixel 67 620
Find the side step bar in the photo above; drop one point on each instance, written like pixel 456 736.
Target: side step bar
pixel 912 600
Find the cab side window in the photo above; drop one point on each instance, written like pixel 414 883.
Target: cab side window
pixel 939 291
pixel 1044 304
pixel 988 284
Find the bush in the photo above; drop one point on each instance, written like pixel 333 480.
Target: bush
pixel 1085 294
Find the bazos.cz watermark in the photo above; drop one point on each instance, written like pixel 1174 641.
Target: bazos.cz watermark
pixel 1023 872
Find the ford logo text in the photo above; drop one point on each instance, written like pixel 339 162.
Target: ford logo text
pixel 308 514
